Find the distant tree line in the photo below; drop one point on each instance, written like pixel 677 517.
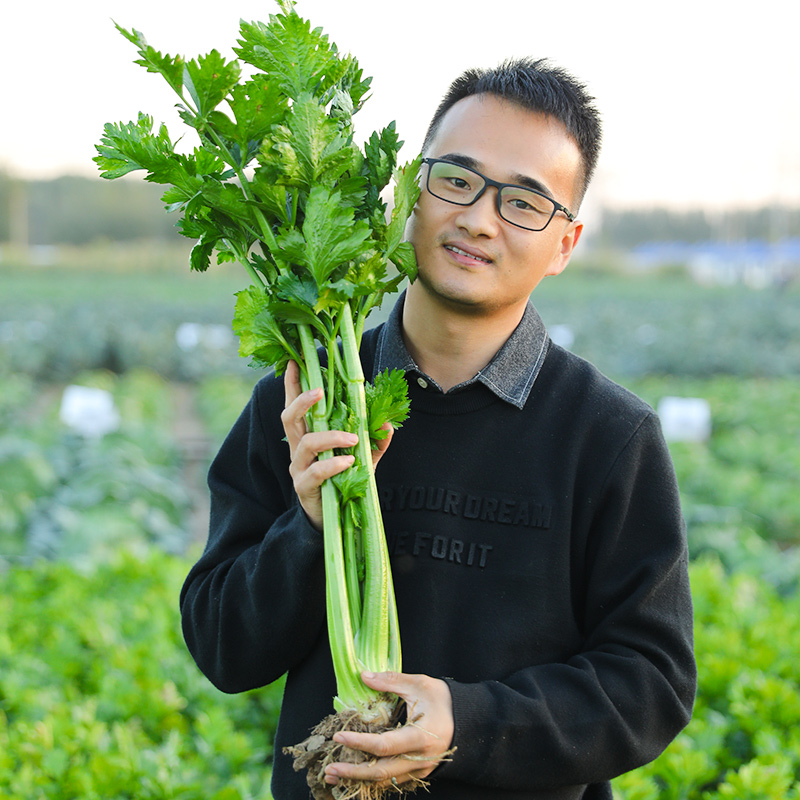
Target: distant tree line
pixel 79 210
pixel 632 227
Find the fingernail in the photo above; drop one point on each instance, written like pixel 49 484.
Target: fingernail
pixel 352 438
pixel 368 675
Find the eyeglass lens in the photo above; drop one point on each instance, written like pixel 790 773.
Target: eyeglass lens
pixel 460 185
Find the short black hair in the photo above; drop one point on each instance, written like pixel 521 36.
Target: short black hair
pixel 539 86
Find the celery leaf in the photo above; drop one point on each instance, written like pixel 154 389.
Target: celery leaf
pixel 387 401
pixel 380 151
pixel 299 58
pixel 256 106
pixel 126 147
pixel 171 67
pixel 200 257
pixel 299 290
pixel 352 483
pixel 406 192
pixel 209 79
pixel 260 335
pixel 332 235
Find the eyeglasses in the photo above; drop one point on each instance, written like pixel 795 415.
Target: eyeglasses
pixel 518 205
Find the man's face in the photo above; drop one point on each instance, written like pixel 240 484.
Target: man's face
pixel 469 258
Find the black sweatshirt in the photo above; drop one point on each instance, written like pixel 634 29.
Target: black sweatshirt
pixel 540 567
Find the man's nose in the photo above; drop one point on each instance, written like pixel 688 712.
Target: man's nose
pixel 482 217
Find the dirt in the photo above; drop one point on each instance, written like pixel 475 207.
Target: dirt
pixel 319 750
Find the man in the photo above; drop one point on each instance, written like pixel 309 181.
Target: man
pixel 531 510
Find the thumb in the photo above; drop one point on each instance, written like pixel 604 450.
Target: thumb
pixel 394 682
pixel 382 444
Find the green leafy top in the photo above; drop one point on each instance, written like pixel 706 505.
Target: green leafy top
pixel 277 182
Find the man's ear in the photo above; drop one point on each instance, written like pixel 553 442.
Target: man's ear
pixel 572 233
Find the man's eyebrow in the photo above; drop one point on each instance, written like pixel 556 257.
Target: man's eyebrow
pixel 531 183
pixel 464 161
pixel 517 179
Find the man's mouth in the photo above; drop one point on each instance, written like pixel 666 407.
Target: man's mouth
pixel 458 251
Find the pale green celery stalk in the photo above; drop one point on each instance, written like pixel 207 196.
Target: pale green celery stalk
pixel 377 640
pixel 352 693
pixel 350 537
pixel 351 534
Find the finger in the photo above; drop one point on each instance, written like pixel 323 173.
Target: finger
pixel 428 700
pixel 310 445
pixel 402 684
pixel 293 415
pixel 398 742
pixel 307 483
pixel 382 444
pixel 291 382
pixel 380 772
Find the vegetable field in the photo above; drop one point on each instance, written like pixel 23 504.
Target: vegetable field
pixel 98 697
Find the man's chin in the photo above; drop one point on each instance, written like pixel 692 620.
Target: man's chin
pixel 454 295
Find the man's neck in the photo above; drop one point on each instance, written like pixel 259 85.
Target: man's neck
pixel 452 345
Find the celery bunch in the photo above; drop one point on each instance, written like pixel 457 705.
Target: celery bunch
pixel 278 184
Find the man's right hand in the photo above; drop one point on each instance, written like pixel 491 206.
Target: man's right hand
pixel 308 473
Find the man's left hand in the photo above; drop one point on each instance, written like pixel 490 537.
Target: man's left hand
pixel 408 752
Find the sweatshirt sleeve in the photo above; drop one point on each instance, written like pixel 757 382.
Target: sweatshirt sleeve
pixel 619 701
pixel 254 603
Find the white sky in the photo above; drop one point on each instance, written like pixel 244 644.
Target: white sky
pixel 700 98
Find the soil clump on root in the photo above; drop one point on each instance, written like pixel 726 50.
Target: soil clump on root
pixel 319 750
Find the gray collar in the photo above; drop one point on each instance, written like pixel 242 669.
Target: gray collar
pixel 510 374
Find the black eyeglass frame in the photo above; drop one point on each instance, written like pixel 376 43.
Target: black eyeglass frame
pixel 499 186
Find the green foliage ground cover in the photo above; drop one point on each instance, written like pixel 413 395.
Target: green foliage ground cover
pixel 66 496
pixel 668 324
pixel 744 739
pixel 56 322
pixel 220 399
pixel 99 698
pixel 746 476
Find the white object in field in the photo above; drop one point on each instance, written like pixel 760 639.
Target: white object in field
pixel 562 335
pixel 89 411
pixel 191 335
pixel 685 419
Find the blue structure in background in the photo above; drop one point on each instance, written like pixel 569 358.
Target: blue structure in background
pixel 756 263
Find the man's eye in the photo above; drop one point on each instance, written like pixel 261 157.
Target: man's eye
pixel 457 183
pixel 521 205
pixel 527 204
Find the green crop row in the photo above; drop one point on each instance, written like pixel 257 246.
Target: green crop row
pixel 68 495
pixel 633 326
pixel 745 476
pixel 55 323
pixel 60 491
pixel 744 739
pixel 100 699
